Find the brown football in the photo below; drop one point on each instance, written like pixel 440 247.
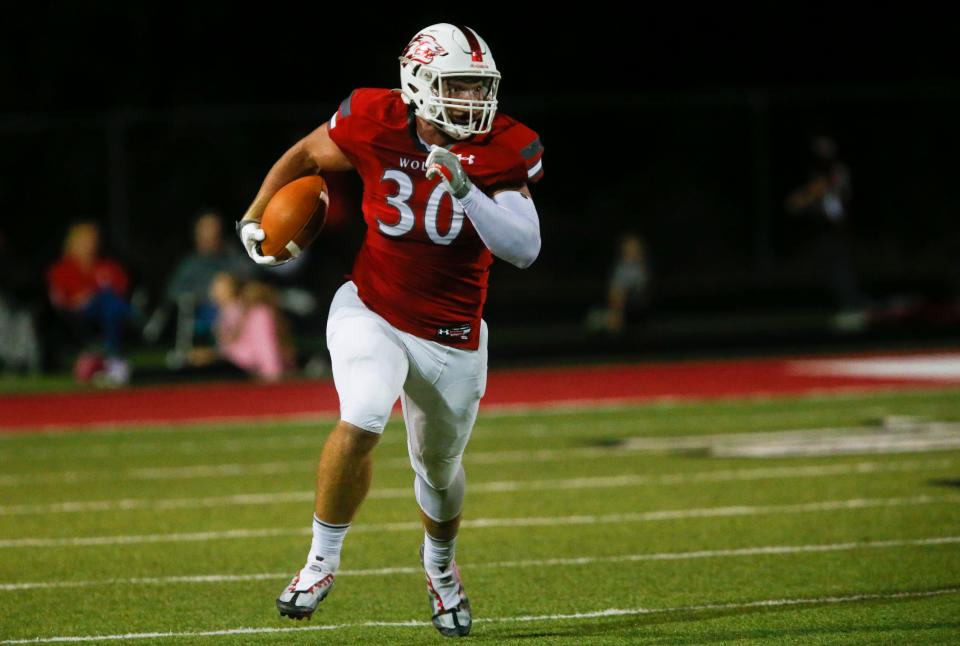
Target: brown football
pixel 293 217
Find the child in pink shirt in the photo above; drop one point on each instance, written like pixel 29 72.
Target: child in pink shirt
pixel 250 332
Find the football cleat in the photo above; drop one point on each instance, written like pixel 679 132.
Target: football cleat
pixel 450 620
pixel 300 602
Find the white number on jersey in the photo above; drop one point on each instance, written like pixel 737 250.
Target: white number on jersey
pixel 399 202
pixel 407 218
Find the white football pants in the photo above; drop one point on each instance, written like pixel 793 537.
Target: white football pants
pixel 439 388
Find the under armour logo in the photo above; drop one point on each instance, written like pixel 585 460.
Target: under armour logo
pixel 458 332
pixel 469 159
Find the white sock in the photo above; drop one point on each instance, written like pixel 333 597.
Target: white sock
pixel 437 554
pixel 324 557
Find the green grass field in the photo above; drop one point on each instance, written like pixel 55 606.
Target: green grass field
pixel 189 533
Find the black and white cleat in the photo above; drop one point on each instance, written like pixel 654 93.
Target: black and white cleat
pixel 449 619
pixel 299 602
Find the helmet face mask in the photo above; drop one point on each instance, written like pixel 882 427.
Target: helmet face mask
pixel 442 53
pixel 475 114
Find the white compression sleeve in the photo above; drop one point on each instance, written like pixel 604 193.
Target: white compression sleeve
pixel 508 224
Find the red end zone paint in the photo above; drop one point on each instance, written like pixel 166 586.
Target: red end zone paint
pixel 505 388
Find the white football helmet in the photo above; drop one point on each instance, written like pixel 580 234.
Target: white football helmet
pixel 438 53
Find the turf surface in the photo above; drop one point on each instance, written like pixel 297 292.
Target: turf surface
pixel 569 538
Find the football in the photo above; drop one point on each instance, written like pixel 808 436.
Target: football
pixel 294 217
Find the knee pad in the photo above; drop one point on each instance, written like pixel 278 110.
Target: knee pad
pixel 441 504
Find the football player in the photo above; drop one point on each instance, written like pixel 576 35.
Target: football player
pixel 445 180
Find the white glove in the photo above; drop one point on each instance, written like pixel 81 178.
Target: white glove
pixel 446 164
pixel 251 234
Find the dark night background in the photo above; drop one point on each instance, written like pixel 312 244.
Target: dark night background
pixel 686 123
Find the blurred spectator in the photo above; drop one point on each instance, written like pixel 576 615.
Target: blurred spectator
pixel 822 209
pixel 628 290
pixel 189 286
pixel 250 331
pixel 20 349
pixel 90 293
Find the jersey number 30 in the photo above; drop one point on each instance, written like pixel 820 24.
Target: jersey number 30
pixel 407 218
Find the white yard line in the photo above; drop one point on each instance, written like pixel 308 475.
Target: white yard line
pixel 221 470
pixel 189 472
pixel 591 614
pixel 531 521
pixel 503 486
pixel 240 469
pixel 764 550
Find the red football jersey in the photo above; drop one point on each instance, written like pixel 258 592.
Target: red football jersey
pixel 422 265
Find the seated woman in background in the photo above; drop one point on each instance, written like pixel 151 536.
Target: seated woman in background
pixel 189 286
pixel 90 291
pixel 250 331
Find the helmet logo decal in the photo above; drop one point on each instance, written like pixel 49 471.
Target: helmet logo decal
pixel 424 48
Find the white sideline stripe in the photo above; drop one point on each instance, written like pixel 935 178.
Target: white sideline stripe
pixel 503 486
pixel 547 408
pixel 397 436
pixel 532 521
pixel 215 426
pixel 593 614
pixel 231 422
pixel 918 431
pixel 935 367
pixel 852 446
pixel 584 560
